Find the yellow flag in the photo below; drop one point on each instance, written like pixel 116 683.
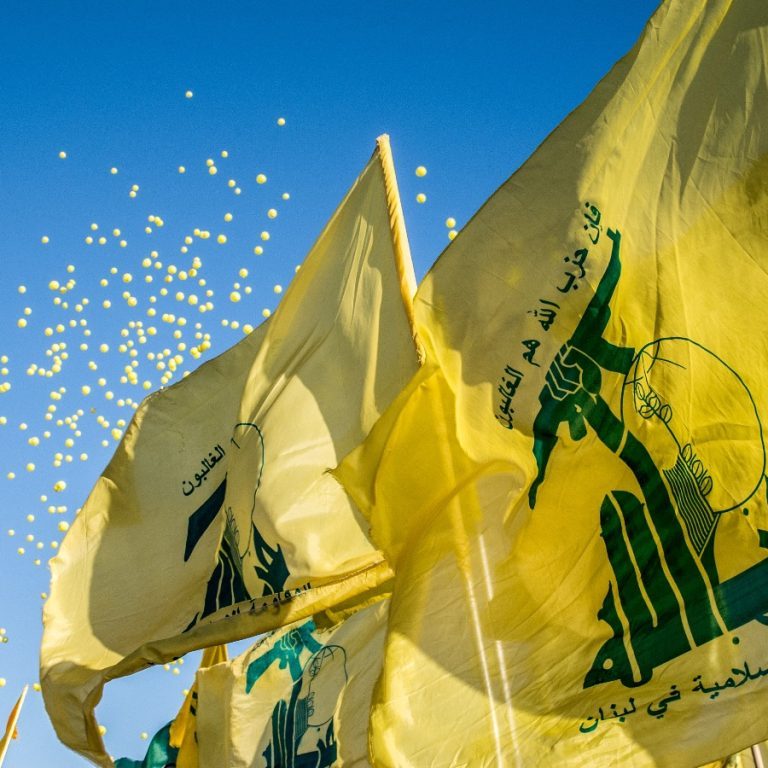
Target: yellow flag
pixel 572 490
pixel 11 732
pixel 298 697
pixel 183 730
pixel 216 519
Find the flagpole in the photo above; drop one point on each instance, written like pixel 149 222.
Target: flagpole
pixel 756 756
pixel 11 727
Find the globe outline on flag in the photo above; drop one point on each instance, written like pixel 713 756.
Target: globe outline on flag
pixel 665 377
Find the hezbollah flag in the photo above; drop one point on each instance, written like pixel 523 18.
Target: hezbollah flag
pixel 299 697
pixel 572 491
pixel 215 519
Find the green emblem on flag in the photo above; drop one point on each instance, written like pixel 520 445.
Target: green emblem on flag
pixel 666 596
pixel 302 726
pixel 228 584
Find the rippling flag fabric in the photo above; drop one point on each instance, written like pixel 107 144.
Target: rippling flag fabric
pixel 216 519
pixel 572 490
pixel 300 697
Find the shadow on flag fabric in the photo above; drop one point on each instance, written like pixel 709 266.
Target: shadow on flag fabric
pixel 300 697
pixel 580 528
pixel 216 519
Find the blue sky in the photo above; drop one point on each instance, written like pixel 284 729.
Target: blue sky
pixel 466 89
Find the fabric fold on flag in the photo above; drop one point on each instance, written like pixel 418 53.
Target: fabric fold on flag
pixel 216 519
pixel 299 697
pixel 579 531
pixel 183 732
